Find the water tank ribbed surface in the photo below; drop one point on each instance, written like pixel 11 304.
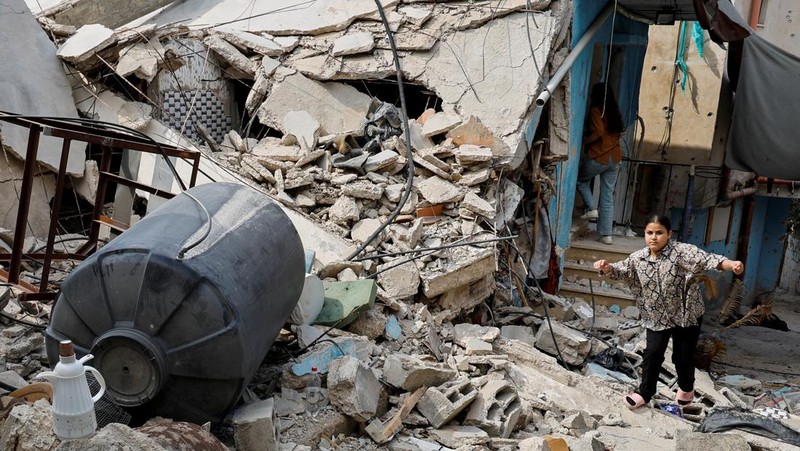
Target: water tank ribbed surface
pixel 182 337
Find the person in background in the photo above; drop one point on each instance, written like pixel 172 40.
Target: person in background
pixel 661 278
pixel 603 154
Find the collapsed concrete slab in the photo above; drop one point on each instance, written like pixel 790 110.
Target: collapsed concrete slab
pixel 337 107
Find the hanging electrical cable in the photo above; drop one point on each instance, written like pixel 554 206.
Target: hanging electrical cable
pixel 406 131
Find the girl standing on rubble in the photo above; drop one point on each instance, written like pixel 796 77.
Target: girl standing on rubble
pixel 660 278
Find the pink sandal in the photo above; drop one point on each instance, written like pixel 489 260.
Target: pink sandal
pixel 684 398
pixel 634 401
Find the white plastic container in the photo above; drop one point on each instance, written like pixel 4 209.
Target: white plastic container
pixel 73 404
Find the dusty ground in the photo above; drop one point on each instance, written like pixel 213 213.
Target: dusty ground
pixel 769 355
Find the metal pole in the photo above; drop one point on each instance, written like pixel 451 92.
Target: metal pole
pixel 56 209
pixel 24 203
pixel 687 208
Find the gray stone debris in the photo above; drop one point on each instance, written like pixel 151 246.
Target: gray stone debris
pixel 353 388
pixel 574 345
pixel 255 426
pixel 443 403
pixel 85 43
pixel 458 436
pixel 410 373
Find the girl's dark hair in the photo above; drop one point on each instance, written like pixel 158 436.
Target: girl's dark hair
pixel 659 219
pixel 603 97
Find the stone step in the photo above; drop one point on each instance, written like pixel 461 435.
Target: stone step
pixel 574 270
pixel 589 249
pixel 607 296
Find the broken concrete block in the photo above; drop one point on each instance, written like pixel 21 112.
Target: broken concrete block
pixel 469 154
pixel 345 300
pixel 441 404
pixel 439 123
pixel 339 108
pixel 272 148
pixel 28 424
pixel 344 211
pixel 458 436
pixel 496 409
pixel 510 197
pixel 464 331
pixel 467 296
pixel 255 426
pixel 420 161
pixel 353 43
pixel 297 179
pixel 579 422
pixel 363 229
pixel 399 282
pixel 522 333
pixel 304 127
pixel 381 160
pixel 363 189
pixel 353 388
pixel 383 432
pixel 464 265
pixel 438 191
pixel 473 178
pixel 370 324
pixel 418 141
pixel 118 436
pixel 13 379
pixel 230 54
pixel 250 41
pixel 86 187
pixel 409 443
pixel 574 345
pixel 475 204
pixel 327 423
pixel 141 60
pixel 409 373
pixel 474 346
pixel 687 440
pixel 85 43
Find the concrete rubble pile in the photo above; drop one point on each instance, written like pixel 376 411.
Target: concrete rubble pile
pixel 433 385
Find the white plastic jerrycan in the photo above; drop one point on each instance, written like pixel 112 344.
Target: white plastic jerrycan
pixel 73 404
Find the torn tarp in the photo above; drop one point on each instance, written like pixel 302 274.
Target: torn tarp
pixel 721 420
pixel 764 133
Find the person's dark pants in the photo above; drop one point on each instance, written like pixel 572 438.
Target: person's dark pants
pixel 684 343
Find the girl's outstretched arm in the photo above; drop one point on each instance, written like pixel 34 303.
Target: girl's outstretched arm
pixel 731 265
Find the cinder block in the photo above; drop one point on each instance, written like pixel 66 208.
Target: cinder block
pixel 255 427
pixel 441 404
pixel 496 409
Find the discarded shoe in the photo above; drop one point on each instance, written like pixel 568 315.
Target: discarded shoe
pixel 634 401
pixel 684 397
pixel 591 214
pixel 606 239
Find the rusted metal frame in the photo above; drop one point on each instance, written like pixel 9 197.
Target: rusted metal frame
pixel 41 255
pixel 21 285
pixel 54 211
pixel 102 184
pixel 122 143
pixel 133 184
pixel 195 169
pixel 24 204
pixel 41 296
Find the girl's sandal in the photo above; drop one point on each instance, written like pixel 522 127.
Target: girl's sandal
pixel 634 401
pixel 684 398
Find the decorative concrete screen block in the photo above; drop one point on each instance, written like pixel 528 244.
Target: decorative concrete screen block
pixel 496 409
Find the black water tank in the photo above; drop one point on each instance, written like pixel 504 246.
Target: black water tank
pixel 182 337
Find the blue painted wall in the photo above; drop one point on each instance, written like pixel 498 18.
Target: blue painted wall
pixel 766 245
